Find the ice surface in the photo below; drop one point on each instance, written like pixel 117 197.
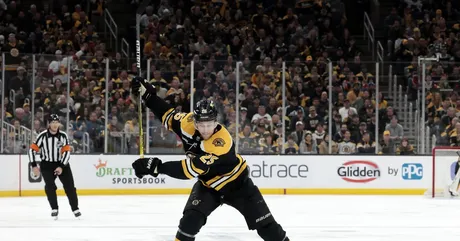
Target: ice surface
pixel 155 218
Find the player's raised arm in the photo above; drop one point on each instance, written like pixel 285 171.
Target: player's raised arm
pixel 164 111
pixel 161 108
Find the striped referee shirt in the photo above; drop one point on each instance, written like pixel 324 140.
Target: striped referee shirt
pixel 52 148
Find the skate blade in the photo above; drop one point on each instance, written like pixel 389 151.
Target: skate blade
pixel 55 218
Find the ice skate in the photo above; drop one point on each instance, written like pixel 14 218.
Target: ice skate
pixel 54 214
pixel 453 192
pixel 77 213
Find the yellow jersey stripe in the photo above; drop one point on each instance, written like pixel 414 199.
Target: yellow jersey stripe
pixel 196 169
pixel 217 178
pixel 185 169
pixel 188 165
pixel 165 119
pixel 232 178
pixel 223 179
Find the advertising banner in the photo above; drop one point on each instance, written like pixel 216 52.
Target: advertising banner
pixel 9 173
pixel 106 173
pixel 109 172
pixel 339 172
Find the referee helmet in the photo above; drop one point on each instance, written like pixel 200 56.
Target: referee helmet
pixel 53 117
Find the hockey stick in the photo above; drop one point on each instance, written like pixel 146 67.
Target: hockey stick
pixel 139 72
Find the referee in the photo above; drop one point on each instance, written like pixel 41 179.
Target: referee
pixel 53 146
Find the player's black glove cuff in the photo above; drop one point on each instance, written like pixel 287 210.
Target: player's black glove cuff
pixel 146 166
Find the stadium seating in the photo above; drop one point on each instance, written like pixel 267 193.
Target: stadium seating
pixel 215 35
pixel 419 29
pixel 47 48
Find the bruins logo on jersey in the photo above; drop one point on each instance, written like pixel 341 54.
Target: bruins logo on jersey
pixel 346 149
pixel 218 142
pixel 14 52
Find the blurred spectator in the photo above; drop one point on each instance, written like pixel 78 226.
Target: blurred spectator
pixel 386 118
pixel 247 139
pixel 308 145
pixel 346 146
pixel 366 145
pixel 395 129
pixel 324 146
pixel 312 119
pixel 268 145
pixel 318 135
pixel 354 127
pixel 455 136
pixel 290 147
pixel 299 134
pixel 362 131
pixel 405 148
pixel 444 137
pixel 162 138
pixel 340 135
pixel 261 118
pixel 387 146
pixel 347 110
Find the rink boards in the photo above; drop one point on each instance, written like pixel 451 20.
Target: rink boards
pixel 299 174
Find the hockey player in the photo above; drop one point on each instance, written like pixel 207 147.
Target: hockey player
pixel 453 188
pixel 223 176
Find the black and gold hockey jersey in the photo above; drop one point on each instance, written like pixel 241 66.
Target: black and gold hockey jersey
pixel 13 55
pixel 213 161
pixel 347 147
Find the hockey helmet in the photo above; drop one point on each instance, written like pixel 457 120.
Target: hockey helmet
pixel 205 110
pixel 53 117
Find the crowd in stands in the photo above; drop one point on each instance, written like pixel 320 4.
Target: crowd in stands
pixel 418 29
pixel 215 35
pixel 46 47
pixel 307 36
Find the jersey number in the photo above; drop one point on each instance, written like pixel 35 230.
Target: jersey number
pixel 208 159
pixel 179 116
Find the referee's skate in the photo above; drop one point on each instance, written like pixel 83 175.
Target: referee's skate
pixel 55 214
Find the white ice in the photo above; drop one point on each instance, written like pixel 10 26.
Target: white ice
pixel 155 218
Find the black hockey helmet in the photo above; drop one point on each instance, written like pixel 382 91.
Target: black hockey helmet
pixel 205 110
pixel 53 117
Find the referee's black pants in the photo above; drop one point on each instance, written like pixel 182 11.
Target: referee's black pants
pixel 66 177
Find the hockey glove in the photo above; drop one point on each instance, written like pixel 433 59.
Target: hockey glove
pixel 146 166
pixel 135 86
pixel 139 86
